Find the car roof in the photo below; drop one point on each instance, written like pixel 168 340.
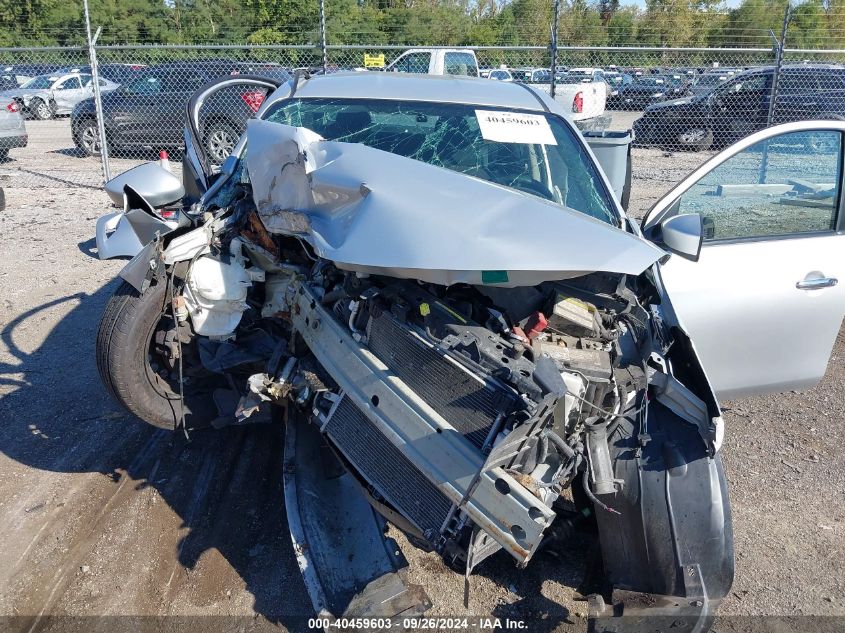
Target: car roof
pixel 429 88
pixel 58 76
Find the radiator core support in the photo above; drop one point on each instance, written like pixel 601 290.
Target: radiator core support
pixel 431 448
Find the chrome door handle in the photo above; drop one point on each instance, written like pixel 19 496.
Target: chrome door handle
pixel 814 284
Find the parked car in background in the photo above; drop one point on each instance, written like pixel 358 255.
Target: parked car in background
pixel 707 82
pixel 641 92
pixel 45 96
pixel 583 98
pixel 535 76
pixel 7 82
pixel 678 85
pixel 12 127
pixel 150 112
pixel 116 73
pixel 500 74
pixel 24 72
pixel 615 82
pixel 739 106
pixel 435 61
pixel 593 74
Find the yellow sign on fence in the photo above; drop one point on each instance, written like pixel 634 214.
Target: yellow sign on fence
pixel 373 61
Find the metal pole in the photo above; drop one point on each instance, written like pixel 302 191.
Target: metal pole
pixel 98 101
pixel 323 34
pixel 553 45
pixel 779 46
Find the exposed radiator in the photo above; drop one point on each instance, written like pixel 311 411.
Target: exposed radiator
pixel 386 468
pixel 464 400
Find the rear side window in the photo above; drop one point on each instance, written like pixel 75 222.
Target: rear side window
pixel 414 63
pixel 460 64
pixel 71 83
pixel 183 81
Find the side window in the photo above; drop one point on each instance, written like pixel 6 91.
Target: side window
pixel 755 83
pixel 85 79
pixel 459 64
pixel 786 185
pixel 183 82
pixel 71 83
pixel 414 63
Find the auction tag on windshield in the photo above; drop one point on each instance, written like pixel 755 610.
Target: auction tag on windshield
pixel 514 127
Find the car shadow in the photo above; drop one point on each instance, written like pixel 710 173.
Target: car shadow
pixel 73 152
pixel 225 486
pixel 88 247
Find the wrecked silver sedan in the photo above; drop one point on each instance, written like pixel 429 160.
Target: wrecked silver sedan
pixel 436 289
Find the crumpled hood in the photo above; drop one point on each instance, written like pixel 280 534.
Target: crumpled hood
pixel 371 211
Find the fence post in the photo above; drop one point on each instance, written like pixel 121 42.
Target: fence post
pixel 323 34
pixel 553 46
pixel 98 101
pixel 779 46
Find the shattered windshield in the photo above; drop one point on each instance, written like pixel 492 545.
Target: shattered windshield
pixel 555 167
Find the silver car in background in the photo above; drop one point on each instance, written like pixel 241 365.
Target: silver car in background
pixel 45 96
pixel 12 127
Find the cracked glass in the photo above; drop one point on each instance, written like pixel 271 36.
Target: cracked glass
pixel 448 135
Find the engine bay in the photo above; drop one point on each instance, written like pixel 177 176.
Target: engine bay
pixel 463 411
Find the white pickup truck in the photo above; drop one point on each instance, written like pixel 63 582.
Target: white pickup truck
pixel 584 99
pixel 436 61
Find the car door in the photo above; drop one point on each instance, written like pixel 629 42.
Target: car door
pixel 240 97
pixel 763 303
pixel 740 107
pixel 67 93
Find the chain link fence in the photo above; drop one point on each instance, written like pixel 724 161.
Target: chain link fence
pixel 682 103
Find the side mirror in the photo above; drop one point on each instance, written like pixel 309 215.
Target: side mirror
pixel 682 235
pixel 151 181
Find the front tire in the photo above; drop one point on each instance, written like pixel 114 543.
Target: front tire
pixel 128 368
pixel 87 138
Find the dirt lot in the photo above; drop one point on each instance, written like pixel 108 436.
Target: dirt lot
pixel 102 515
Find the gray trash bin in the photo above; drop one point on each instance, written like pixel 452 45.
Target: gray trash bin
pixel 613 151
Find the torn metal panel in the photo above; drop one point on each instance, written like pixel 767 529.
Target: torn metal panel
pixel 348 572
pixel 375 212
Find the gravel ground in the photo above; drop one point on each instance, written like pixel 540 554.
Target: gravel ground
pixel 102 515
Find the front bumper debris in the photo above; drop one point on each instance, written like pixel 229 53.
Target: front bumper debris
pixel 350 568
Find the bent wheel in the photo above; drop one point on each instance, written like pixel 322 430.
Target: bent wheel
pixel 133 369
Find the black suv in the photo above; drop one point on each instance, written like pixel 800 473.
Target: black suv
pixel 740 106
pixel 149 112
